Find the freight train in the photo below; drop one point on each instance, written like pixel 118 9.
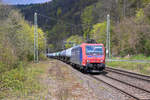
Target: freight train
pixel 87 57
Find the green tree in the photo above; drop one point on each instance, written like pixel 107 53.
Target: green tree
pixel 16 39
pixel 75 39
pixel 87 20
pixel 98 32
pixel 140 14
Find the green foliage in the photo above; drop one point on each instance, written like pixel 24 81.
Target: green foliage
pixel 99 32
pixel 140 57
pixel 145 1
pixel 8 59
pixel 57 35
pixel 19 81
pixel 141 68
pixel 125 38
pixel 75 39
pixel 131 19
pixel 42 56
pixel 51 46
pixel 64 21
pixel 59 11
pixel 139 14
pixel 87 19
pixel 16 48
pixel 134 57
pixel 132 35
pixel 16 39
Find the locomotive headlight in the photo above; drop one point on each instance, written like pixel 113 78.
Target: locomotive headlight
pixel 101 60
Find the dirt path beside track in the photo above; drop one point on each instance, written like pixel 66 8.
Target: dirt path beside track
pixel 60 84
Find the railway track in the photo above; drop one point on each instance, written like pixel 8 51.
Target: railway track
pixel 129 74
pixel 131 84
pixel 126 93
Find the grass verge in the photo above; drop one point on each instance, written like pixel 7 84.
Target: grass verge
pixel 143 68
pixel 21 81
pixel 135 57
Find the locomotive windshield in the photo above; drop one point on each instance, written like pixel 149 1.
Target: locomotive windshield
pixel 94 50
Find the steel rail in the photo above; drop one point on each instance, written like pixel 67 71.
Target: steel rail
pixel 133 61
pixel 116 88
pixel 127 84
pixel 128 73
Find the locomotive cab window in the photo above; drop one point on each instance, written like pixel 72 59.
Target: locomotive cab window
pixel 94 50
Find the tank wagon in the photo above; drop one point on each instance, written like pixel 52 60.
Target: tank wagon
pixel 87 57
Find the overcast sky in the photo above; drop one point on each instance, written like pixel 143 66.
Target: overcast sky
pixel 24 1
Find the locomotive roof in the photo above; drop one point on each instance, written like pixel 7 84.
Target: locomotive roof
pixel 92 44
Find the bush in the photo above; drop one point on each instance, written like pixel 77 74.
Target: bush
pixel 73 40
pixel 99 32
pixel 19 81
pixel 42 56
pixel 16 39
pixel 132 35
pixel 12 80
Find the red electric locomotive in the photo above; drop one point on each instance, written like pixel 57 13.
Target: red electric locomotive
pixel 88 57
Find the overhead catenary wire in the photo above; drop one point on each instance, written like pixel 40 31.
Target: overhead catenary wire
pixel 74 27
pixel 67 24
pixel 56 19
pixel 52 18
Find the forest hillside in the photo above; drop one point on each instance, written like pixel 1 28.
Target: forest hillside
pixel 63 20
